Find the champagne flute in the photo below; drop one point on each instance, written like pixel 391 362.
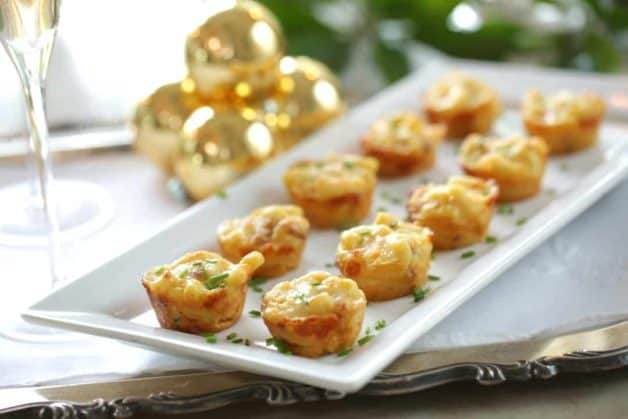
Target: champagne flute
pixel 46 212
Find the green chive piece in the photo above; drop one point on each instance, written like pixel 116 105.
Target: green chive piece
pixel 367 331
pixel 330 265
pixel 216 281
pixel 394 224
pixel 521 221
pixel 381 209
pixel 433 256
pixel 344 352
pixel 365 233
pixel 490 239
pixel 380 324
pixel 347 164
pixel 279 344
pixel 255 313
pixel 232 336
pixel 256 283
pixel 209 337
pixel 159 270
pixel 221 194
pixel 433 278
pixel 183 273
pixel 467 255
pixel 247 342
pixel 316 284
pixel 505 209
pixel 238 340
pixel 364 340
pixel 419 294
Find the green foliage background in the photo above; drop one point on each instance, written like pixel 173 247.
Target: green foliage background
pixel 601 46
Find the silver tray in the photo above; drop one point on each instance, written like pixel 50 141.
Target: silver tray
pixel 598 350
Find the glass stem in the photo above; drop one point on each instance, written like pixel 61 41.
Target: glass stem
pixel 32 64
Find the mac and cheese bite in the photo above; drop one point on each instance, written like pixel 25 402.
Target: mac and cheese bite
pixel 567 121
pixel 387 259
pixel 315 314
pixel 201 291
pixel 278 232
pixel 336 191
pixel 458 212
pixel 465 105
pixel 516 163
pixel 402 144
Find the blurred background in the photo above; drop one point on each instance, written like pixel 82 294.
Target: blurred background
pixel 110 54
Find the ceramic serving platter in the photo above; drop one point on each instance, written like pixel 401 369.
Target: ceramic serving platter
pixel 111 302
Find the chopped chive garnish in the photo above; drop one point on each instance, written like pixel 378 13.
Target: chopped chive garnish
pixel 247 342
pixel 367 331
pixel 347 164
pixel 221 194
pixel 209 337
pixel 316 284
pixel 232 336
pixel 433 278
pixel 521 221
pixel 505 209
pixel 279 344
pixel 344 352
pixel 183 273
pixel 391 198
pixel 364 340
pixel 380 324
pixel 216 281
pixel 490 239
pixel 330 265
pixel 467 255
pixel 381 209
pixel 419 294
pixel 255 313
pixel 238 340
pixel 433 256
pixel 256 283
pixel 365 233
pixel 160 270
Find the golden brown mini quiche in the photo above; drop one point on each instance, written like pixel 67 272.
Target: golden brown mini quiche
pixel 458 212
pixel 276 231
pixel 388 259
pixel 201 291
pixel 315 314
pixel 516 163
pixel 402 144
pixel 465 105
pixel 334 192
pixel 567 122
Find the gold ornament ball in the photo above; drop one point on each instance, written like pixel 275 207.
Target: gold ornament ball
pixel 235 53
pixel 307 96
pixel 158 120
pixel 218 145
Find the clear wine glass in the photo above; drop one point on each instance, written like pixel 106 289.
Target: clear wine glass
pixel 44 212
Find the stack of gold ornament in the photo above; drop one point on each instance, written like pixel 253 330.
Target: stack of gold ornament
pixel 242 102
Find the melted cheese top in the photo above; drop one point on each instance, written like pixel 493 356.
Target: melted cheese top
pixel 562 108
pixel 458 92
pixel 516 154
pixel 403 132
pixel 461 197
pixel 197 274
pixel 314 294
pixel 387 241
pixel 276 223
pixel 332 177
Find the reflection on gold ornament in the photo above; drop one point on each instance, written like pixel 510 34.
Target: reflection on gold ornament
pixel 235 53
pixel 158 120
pixel 307 96
pixel 218 145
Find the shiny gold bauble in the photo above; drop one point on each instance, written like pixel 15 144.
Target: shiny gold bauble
pixel 158 120
pixel 307 96
pixel 235 53
pixel 218 145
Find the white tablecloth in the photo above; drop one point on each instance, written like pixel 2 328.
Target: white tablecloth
pixel 577 279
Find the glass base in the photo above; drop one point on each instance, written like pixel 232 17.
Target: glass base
pixel 83 208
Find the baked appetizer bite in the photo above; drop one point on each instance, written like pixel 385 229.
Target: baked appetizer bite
pixel 458 212
pixel 334 192
pixel 201 291
pixel 388 259
pixel 567 122
pixel 402 144
pixel 516 163
pixel 276 231
pixel 465 105
pixel 315 314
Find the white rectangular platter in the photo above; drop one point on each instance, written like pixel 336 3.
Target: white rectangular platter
pixel 110 301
